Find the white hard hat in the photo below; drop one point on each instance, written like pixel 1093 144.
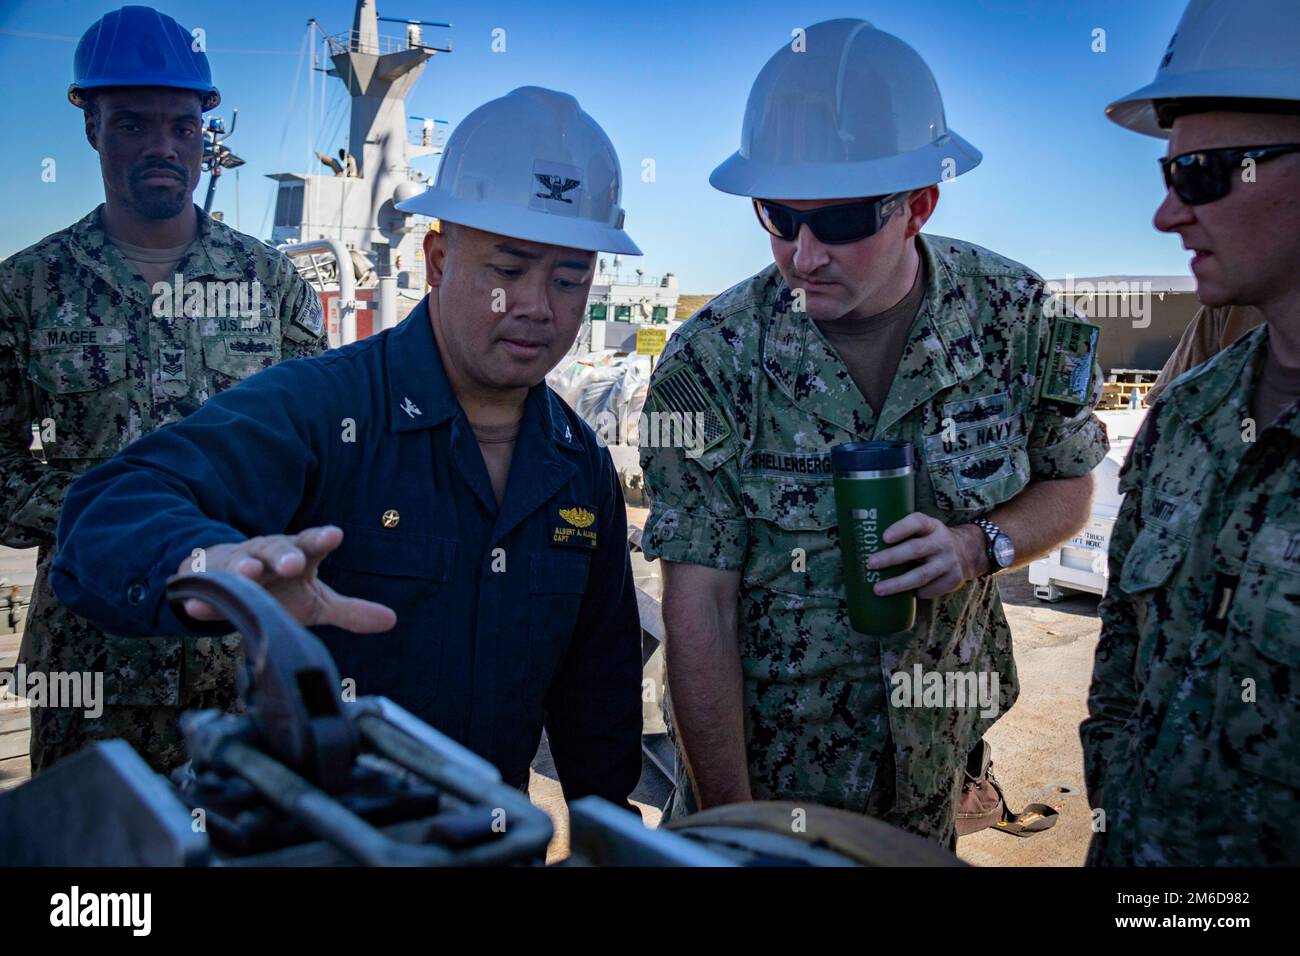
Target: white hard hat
pixel 856 112
pixel 1234 49
pixel 531 165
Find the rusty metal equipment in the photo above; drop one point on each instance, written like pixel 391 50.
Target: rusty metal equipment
pixel 300 778
pixel 305 778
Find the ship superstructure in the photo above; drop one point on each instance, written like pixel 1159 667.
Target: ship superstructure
pixel 347 210
pixel 353 198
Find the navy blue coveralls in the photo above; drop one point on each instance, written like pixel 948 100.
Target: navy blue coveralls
pixel 507 617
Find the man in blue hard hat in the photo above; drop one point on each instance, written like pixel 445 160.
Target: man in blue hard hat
pixel 95 350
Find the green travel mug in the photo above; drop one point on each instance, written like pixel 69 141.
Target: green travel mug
pixel 873 489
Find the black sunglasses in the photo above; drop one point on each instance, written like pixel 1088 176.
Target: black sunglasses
pixel 1205 175
pixel 833 225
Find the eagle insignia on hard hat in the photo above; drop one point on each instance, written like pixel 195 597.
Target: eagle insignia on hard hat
pixel 1220 50
pixel 491 168
pixel 1169 52
pixel 557 186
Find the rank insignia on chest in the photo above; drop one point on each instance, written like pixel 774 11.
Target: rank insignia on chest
pixel 572 525
pixel 172 364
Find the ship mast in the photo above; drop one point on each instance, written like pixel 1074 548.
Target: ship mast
pixel 355 202
pixel 379 73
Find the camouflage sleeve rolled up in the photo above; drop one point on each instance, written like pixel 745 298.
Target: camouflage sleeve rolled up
pixel 301 316
pixel 1113 695
pixel 1064 444
pixel 31 492
pixel 689 461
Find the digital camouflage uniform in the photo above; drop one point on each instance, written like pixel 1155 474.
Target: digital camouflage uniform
pixel 1194 727
pixel 85 356
pixel 816 695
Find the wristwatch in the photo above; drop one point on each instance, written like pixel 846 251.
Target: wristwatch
pixel 1000 550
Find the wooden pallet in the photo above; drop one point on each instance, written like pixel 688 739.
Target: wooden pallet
pixel 1132 375
pixel 1116 394
pixel 15 723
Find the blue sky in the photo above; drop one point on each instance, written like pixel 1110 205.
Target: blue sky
pixel 1061 188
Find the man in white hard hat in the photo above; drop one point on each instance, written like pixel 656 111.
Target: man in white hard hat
pixel 1192 746
pixel 428 473
pixel 863 328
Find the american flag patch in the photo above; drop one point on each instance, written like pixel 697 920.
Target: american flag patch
pixel 680 392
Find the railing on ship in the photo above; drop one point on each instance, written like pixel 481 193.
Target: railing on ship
pixel 352 41
pixel 619 278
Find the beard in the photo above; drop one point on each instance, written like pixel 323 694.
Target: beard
pixel 158 202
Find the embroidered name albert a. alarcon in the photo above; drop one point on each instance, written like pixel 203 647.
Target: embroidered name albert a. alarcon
pixel 573 525
pixel 788 462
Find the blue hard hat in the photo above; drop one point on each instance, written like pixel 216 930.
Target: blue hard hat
pixel 139 46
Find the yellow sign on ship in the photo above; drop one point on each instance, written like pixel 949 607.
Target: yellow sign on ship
pixel 651 341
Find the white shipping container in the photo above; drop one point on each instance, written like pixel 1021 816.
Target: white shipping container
pixel 1080 563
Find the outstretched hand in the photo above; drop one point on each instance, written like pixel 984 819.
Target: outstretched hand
pixel 286 564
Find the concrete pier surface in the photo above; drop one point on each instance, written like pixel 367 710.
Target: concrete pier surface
pixel 1037 756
